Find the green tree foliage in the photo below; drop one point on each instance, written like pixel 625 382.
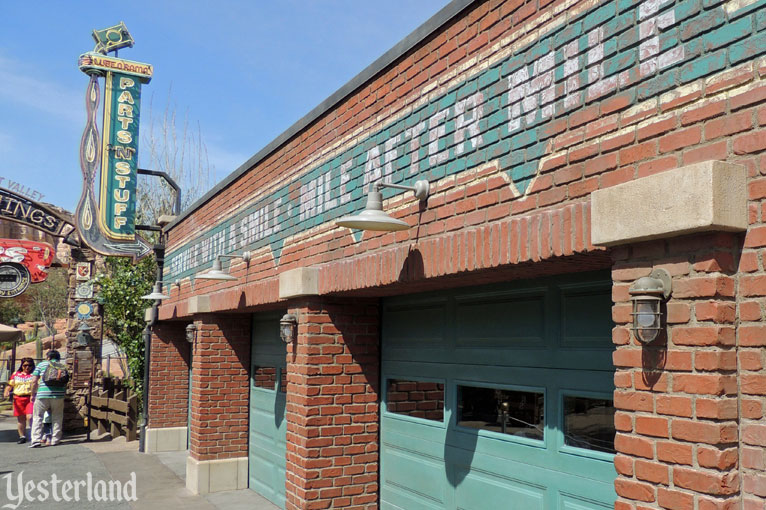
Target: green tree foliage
pixel 171 146
pixel 47 301
pixel 122 286
pixel 10 310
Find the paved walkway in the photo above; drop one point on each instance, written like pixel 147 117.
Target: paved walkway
pixel 159 478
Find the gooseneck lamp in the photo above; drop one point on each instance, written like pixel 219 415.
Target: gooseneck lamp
pixel 217 272
pixel 647 294
pixel 374 218
pixel 157 294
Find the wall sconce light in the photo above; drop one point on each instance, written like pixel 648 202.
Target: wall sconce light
pixel 191 333
pixel 647 294
pixel 374 218
pixel 84 337
pixel 288 328
pixel 156 294
pixel 217 272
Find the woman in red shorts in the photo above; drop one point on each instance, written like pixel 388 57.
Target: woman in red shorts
pixel 21 382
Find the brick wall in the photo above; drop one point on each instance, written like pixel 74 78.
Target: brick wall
pixel 220 386
pixel 332 406
pixel 676 398
pixel 751 342
pixel 638 87
pixel 169 377
pixel 515 111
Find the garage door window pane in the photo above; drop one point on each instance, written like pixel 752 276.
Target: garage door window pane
pixel 421 399
pixel 589 423
pixel 265 377
pixel 517 413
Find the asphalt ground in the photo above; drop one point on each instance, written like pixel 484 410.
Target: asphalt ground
pixel 98 464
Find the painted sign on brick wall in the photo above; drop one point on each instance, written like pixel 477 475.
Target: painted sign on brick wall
pixel 514 112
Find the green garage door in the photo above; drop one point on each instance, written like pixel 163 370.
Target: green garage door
pixel 268 429
pixel 499 397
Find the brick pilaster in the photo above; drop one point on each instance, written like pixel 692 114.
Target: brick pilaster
pixel 220 362
pixel 676 399
pixel 169 377
pixel 333 406
pixel 752 359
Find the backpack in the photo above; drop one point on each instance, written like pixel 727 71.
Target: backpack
pixel 55 375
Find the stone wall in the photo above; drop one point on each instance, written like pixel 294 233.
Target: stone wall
pixel 75 412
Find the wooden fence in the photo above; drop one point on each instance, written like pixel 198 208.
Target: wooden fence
pixel 114 410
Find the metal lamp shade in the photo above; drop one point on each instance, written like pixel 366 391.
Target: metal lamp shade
pixel 216 273
pixel 156 294
pixel 373 217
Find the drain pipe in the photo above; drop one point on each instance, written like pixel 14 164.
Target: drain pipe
pixel 159 254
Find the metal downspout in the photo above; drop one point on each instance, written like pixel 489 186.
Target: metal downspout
pixel 159 253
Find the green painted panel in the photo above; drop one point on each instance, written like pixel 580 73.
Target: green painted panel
pixel 417 324
pixel 440 465
pixel 504 321
pixel 268 427
pixel 568 502
pixel 415 479
pixel 480 491
pixel 580 326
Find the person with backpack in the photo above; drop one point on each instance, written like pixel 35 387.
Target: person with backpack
pixel 21 383
pixel 50 382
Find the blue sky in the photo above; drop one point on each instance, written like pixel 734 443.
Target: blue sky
pixel 244 70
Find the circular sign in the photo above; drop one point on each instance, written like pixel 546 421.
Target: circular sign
pixel 14 280
pixel 84 311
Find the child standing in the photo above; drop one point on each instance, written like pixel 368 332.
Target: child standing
pixel 47 428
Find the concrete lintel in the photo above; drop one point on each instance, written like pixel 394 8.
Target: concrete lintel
pixel 301 281
pixel 170 439
pixel 206 476
pixel 703 197
pixel 198 304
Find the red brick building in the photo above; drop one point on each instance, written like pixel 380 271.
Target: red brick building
pixel 483 357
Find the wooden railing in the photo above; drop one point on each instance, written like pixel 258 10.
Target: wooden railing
pixel 116 414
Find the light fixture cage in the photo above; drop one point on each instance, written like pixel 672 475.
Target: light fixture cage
pixel 647 296
pixel 191 333
pixel 288 328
